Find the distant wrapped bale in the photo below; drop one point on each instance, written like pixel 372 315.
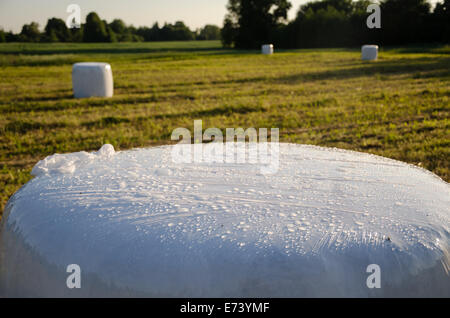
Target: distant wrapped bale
pixel 267 49
pixel 92 80
pixel 369 52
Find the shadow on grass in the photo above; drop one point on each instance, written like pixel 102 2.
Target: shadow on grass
pixel 423 67
pixel 122 50
pixel 22 127
pixel 45 98
pixel 432 67
pixel 217 111
pixel 67 57
pixel 424 49
pixel 34 103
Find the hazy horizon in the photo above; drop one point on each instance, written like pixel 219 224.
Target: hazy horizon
pixel 195 13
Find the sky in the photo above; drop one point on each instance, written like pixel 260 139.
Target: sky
pixel 195 13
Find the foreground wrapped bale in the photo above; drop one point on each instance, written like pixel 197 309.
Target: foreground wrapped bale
pixel 92 79
pixel 139 225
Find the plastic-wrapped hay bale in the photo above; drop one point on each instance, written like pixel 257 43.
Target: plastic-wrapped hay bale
pixel 267 49
pixel 138 224
pixel 369 52
pixel 92 79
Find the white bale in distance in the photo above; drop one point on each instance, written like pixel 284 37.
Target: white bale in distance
pixel 369 52
pixel 267 49
pixel 92 79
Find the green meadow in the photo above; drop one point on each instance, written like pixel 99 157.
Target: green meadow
pixel 397 107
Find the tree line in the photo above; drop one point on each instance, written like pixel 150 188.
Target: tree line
pixel 334 23
pixel 98 30
pixel 251 23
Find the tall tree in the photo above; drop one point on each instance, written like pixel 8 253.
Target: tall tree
pixel 345 6
pixel 94 29
pixel 176 32
pixel 118 26
pixel 181 32
pixel 252 22
pixel 441 22
pixel 331 23
pixel 56 30
pixel 209 32
pixel 154 32
pixel 323 27
pixel 76 34
pixel 120 31
pixel 228 32
pixel 404 21
pixel 30 32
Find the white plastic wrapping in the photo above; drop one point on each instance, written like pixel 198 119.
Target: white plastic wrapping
pixel 369 52
pixel 267 49
pixel 138 224
pixel 92 80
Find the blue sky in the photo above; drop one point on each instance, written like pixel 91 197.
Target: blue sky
pixel 195 13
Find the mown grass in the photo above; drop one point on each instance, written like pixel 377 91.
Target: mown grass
pixel 397 107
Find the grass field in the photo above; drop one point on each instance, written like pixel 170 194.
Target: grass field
pixel 398 106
